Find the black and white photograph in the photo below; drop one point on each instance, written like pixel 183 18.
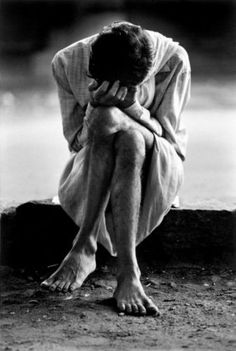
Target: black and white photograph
pixel 117 175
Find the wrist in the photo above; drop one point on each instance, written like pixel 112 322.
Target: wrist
pixel 135 110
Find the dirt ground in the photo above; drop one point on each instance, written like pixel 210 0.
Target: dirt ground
pixel 197 307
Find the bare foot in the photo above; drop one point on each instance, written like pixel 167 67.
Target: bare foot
pixel 72 272
pixel 131 298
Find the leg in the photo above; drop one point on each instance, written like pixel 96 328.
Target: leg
pixel 80 261
pixel 125 201
pixel 104 125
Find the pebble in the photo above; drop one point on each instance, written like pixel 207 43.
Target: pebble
pixel 83 315
pixel 121 314
pixel 109 288
pixel 69 297
pixel 173 285
pixel 230 302
pixel 34 302
pixel 153 283
pixel 230 284
pixel 29 292
pixel 172 308
pixel 7 348
pixel 99 284
pixel 215 279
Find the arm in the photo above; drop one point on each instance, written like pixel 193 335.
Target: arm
pixel 171 97
pixel 172 91
pixel 72 113
pixel 126 99
pixel 142 115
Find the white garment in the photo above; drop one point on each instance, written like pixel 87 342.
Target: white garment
pixel 164 93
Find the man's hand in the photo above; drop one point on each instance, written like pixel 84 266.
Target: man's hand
pixel 115 95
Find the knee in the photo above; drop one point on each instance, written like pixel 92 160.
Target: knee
pixel 103 121
pixel 131 145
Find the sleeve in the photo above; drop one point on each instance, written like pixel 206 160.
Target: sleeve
pixel 171 96
pixel 71 112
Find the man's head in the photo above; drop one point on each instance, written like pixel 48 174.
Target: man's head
pixel 122 51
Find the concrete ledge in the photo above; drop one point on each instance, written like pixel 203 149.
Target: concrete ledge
pixel 29 232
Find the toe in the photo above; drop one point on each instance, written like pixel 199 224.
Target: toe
pixel 128 308
pixel 46 283
pixel 61 285
pixel 142 310
pixel 74 286
pixel 54 286
pixel 121 306
pixel 66 287
pixel 135 309
pixel 151 308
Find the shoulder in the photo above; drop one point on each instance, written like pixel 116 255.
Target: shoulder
pixel 180 57
pixel 76 53
pixel 181 54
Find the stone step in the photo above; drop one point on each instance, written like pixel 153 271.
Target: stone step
pixel 41 233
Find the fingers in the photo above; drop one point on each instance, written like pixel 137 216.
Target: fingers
pixel 114 88
pixel 112 95
pixel 121 94
pixel 102 89
pixel 106 94
pixel 93 85
pixel 98 92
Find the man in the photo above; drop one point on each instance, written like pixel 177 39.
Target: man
pixel 121 94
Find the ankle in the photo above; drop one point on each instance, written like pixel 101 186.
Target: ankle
pixel 86 248
pixel 128 270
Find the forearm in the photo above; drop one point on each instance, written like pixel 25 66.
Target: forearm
pixel 82 136
pixel 142 115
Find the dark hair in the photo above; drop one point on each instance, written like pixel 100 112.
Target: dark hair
pixel 121 52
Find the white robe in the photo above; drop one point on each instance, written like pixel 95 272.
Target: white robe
pixel 164 93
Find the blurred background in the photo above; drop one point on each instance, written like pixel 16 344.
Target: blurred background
pixel 33 151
